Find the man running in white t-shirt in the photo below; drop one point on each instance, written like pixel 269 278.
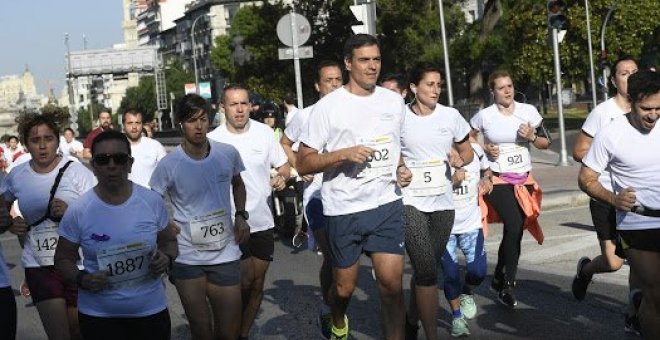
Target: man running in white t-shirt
pixel 147 152
pixel 69 146
pixel 328 79
pixel 260 153
pixel 359 125
pixel 627 147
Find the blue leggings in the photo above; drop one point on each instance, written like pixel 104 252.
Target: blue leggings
pixel 472 246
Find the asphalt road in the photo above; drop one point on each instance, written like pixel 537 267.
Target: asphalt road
pixel 546 308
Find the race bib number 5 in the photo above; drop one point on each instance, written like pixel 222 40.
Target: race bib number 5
pixel 126 264
pixel 380 163
pixel 43 240
pixel 210 231
pixel 514 158
pixel 428 178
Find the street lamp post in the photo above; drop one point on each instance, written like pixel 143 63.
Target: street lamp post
pixel 194 50
pixel 72 110
pixel 591 56
pixel 603 50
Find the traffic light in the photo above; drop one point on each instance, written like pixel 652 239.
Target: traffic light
pixel 556 18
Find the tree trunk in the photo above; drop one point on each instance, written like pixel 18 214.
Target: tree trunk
pixel 492 15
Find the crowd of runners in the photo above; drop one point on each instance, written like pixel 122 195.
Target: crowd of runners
pixel 382 177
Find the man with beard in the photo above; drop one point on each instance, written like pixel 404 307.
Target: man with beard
pixel 105 123
pixel 147 152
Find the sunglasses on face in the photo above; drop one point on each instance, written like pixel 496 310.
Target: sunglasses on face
pixel 117 158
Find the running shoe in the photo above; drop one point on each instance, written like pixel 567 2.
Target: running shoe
pixel 468 307
pixel 340 334
pixel 459 327
pixel 581 281
pixel 506 295
pixel 325 324
pixel 632 326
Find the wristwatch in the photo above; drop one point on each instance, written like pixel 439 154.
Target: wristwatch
pixel 242 213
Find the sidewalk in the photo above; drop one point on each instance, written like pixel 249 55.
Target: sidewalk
pixel 559 183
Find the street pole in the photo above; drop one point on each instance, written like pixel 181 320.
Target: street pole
pixel 296 58
pixel 603 51
pixel 450 94
pixel 591 56
pixel 69 82
pixel 194 50
pixel 563 161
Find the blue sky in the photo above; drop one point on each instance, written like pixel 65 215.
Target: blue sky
pixel 32 32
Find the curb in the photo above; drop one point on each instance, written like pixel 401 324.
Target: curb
pixel 566 199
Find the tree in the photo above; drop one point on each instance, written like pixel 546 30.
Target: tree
pixel 61 114
pixel 141 98
pixel 176 76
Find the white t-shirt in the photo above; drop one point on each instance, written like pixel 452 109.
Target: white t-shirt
pixel 260 153
pixel 603 114
pixel 634 161
pixel 293 132
pixel 290 115
pixel 65 148
pixel 200 194
pixel 503 131
pixel 120 239
pixel 466 194
pixel 425 143
pixel 146 155
pixel 32 190
pixel 341 120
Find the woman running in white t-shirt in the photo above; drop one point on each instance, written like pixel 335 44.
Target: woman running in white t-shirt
pixel 509 128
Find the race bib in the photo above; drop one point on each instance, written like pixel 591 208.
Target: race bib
pixel 466 193
pixel 514 158
pixel 43 239
pixel 127 264
pixel 428 178
pixel 210 231
pixel 380 163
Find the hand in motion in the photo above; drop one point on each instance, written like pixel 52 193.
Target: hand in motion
pixel 57 208
pixel 455 160
pixel 625 199
pixel 493 150
pixel 159 263
pixel 459 176
pixel 526 131
pixel 403 176
pixel 278 183
pixel 358 154
pixel 18 227
pixel 242 231
pixel 486 185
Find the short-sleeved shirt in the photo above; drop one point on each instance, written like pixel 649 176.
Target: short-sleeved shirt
pixel 32 190
pixel 466 194
pixel 199 188
pixel 603 114
pixel 121 240
pixel 293 132
pixel 342 120
pixel 66 148
pixel 503 130
pixel 260 153
pixel 87 144
pixel 634 162
pixel 425 143
pixel 146 155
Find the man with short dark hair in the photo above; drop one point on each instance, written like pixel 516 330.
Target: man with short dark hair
pixel 147 152
pixel 394 82
pixel 359 127
pixel 104 123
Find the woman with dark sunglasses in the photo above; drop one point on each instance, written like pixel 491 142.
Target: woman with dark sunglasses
pixel 43 199
pixel 122 230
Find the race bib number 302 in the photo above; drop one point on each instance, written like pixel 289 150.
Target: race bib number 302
pixel 126 264
pixel 210 231
pixel 428 178
pixel 380 163
pixel 514 158
pixel 43 240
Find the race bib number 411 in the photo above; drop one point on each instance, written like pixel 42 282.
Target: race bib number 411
pixel 380 163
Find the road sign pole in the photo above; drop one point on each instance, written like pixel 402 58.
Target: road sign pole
pixel 563 160
pixel 296 60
